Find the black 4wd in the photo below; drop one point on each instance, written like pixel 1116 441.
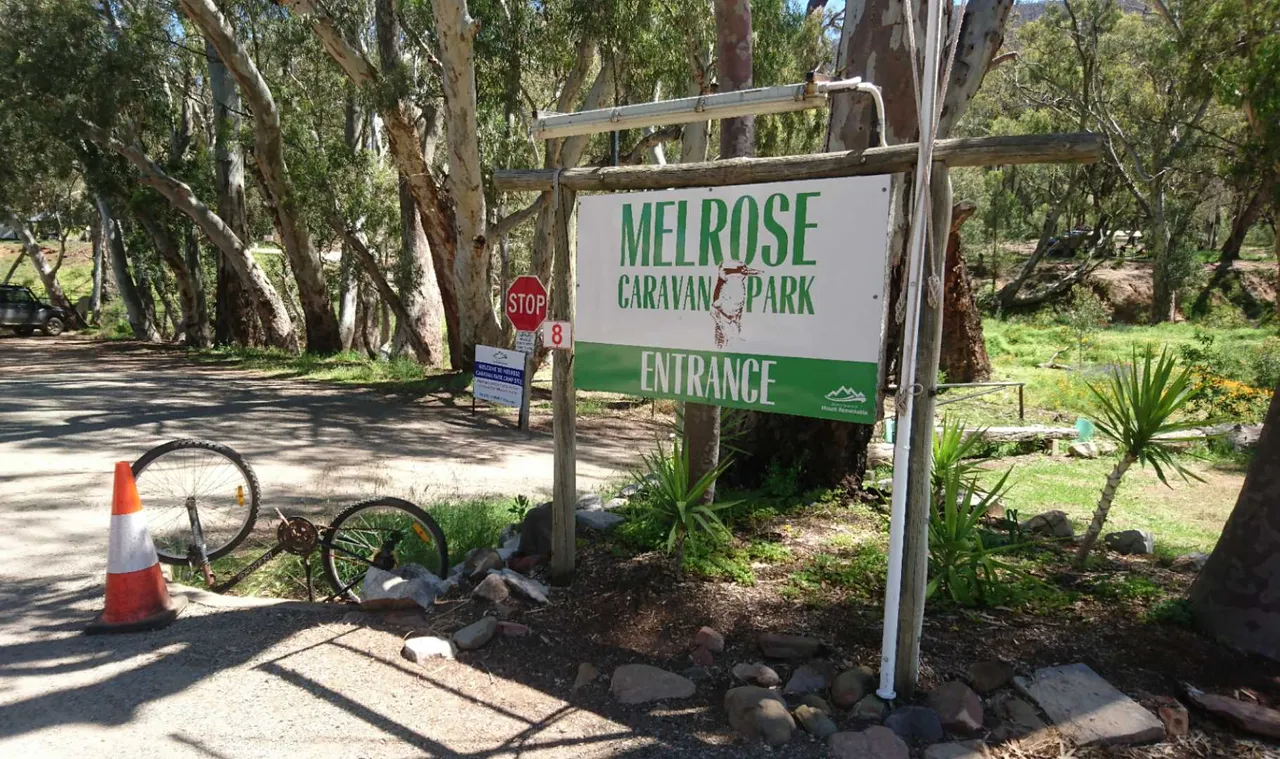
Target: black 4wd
pixel 21 310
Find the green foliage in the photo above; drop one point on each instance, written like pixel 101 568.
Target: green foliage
pixel 470 523
pixel 519 508
pixel 1083 315
pixel 782 481
pixel 1172 611
pixel 1231 381
pixel 1141 402
pixel 674 502
pixel 961 564
pixel 860 573
pixel 1124 587
pixel 952 451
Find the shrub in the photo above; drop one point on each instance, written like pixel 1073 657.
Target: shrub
pixel 675 505
pixel 960 562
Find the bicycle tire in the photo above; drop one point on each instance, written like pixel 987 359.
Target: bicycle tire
pixel 149 458
pixel 346 548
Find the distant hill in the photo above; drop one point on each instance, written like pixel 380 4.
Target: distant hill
pixel 1029 10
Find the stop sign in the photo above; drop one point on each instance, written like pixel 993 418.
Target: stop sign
pixel 526 304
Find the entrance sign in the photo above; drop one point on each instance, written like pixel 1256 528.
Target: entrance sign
pixel 764 297
pixel 557 334
pixel 499 376
pixel 526 303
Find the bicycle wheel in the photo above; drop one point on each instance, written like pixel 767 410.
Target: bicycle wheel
pixel 213 478
pixel 384 533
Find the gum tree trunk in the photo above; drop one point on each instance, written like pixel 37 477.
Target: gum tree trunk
pixel 964 350
pixel 1236 598
pixel 48 277
pixel 193 328
pixel 308 271
pixel 455 30
pixel 143 327
pixel 239 315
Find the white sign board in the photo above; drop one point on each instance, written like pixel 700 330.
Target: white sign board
pixel 767 297
pixel 557 334
pixel 525 341
pixel 499 376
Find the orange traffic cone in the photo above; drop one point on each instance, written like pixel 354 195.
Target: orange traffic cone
pixel 137 597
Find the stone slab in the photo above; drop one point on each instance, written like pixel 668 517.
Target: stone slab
pixel 1087 709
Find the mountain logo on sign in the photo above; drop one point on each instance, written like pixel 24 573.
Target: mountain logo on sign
pixel 846 395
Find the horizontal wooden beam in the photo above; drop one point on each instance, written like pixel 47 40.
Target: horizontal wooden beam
pixel 969 151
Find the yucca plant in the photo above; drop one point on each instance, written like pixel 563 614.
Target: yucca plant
pixel 960 564
pixel 674 502
pixel 1137 407
pixel 951 448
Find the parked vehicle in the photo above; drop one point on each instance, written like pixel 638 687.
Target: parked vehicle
pixel 23 312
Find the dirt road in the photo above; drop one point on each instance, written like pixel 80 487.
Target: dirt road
pixel 257 681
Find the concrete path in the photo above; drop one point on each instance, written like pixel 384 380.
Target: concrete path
pixel 253 681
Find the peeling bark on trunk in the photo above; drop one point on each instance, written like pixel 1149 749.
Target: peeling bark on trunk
pixel 94 312
pixel 143 327
pixel 478 321
pixel 278 326
pixel 1236 598
pixel 308 271
pixel 422 315
pixel 1244 220
pixel 203 338
pixel 964 350
pixel 192 330
pixel 239 315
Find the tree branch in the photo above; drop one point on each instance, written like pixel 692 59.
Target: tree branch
pixel 665 134
pixel 502 227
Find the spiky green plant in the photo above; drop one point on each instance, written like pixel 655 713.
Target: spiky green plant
pixel 960 564
pixel 951 447
pixel 675 503
pixel 1138 407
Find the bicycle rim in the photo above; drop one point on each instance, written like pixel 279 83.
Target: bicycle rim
pixel 211 477
pixel 361 535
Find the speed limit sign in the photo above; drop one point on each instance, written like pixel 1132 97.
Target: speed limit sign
pixel 557 334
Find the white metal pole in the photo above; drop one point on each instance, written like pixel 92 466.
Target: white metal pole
pixel 910 335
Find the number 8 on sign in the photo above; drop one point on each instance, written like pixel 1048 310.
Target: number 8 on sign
pixel 557 334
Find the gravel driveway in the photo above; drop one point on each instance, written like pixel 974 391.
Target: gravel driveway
pixel 248 680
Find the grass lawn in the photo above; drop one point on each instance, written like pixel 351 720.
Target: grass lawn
pixel 1188 516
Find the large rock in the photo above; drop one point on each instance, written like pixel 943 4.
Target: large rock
pixel 589 502
pixel 818 702
pixel 525 587
pixel 1253 718
pixel 1017 717
pixel 492 588
pixel 535 531
pixel 613 504
pixel 1190 562
pixel 813 677
pixel 709 639
pixel 815 722
pixel 420 649
pixel 1135 542
pixel 587 674
pixel 958 707
pixel 759 714
pixel 1054 524
pixel 870 708
pixel 1087 709
pixel 915 724
pixel 476 634
pixel 480 561
pixel 600 521
pixel 873 743
pixel 756 674
pixel 851 685
pixel 789 647
pixel 1092 449
pixel 641 683
pixel 990 676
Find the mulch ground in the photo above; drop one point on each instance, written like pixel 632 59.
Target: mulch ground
pixel 621 610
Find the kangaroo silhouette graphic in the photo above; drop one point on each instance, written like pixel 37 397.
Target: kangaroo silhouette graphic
pixel 729 301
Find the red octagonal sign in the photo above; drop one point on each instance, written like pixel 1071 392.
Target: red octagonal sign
pixel 526 304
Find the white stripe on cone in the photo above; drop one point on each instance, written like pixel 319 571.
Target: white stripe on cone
pixel 130 548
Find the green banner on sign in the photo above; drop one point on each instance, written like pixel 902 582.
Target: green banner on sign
pixel 821 388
